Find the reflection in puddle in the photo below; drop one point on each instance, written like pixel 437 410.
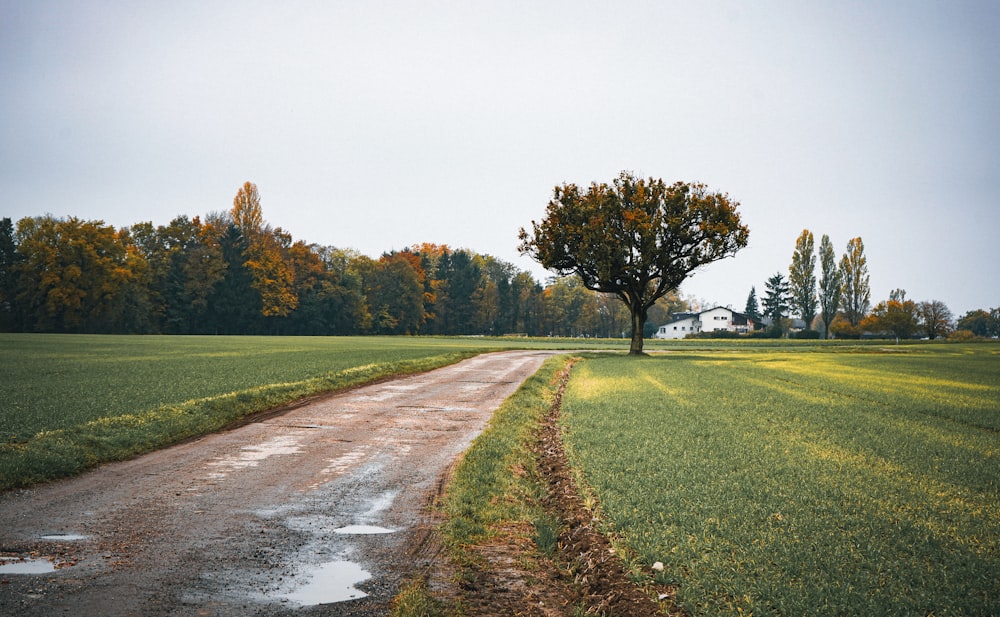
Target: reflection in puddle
pixel 380 504
pixel 251 456
pixel 26 566
pixel 331 582
pixel 362 530
pixel 64 537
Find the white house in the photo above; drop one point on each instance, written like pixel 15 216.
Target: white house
pixel 718 318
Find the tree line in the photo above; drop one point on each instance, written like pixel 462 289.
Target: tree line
pixel 233 273
pixel 839 303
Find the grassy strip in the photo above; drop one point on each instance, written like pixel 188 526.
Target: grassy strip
pixel 496 482
pixel 809 484
pixel 62 452
pixel 494 486
pixel 414 600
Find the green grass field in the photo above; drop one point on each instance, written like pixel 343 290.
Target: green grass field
pixel 836 481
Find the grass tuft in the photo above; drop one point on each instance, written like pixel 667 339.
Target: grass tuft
pixel 414 600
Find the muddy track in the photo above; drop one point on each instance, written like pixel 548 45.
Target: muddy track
pixel 584 575
pixel 317 510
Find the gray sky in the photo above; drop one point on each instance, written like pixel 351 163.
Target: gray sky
pixel 378 125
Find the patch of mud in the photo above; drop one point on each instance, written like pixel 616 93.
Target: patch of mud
pixel 583 576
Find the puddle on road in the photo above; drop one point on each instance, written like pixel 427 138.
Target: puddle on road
pixel 331 582
pixel 64 537
pixel 14 565
pixel 380 504
pixel 251 456
pixel 362 530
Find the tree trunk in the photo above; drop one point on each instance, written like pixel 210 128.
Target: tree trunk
pixel 638 325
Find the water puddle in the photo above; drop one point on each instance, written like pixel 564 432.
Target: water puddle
pixel 380 504
pixel 64 537
pixel 331 582
pixel 252 456
pixel 13 565
pixel 362 530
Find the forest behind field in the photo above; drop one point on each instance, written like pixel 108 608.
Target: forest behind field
pixel 233 273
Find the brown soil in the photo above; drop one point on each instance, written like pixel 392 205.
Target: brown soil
pixel 584 576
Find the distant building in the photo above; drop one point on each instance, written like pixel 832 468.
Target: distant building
pixel 718 318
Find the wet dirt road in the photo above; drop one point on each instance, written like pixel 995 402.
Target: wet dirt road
pixel 316 511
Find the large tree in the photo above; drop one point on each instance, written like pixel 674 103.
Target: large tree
pixel 981 322
pixel 896 316
pixel 266 254
pixel 935 318
pixel 802 278
pixel 72 274
pixel 829 283
pixel 855 289
pixel 777 299
pixel 637 239
pixel 185 264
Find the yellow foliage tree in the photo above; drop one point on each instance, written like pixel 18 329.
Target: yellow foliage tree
pixel 266 254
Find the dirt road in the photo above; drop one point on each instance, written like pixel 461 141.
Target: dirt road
pixel 316 511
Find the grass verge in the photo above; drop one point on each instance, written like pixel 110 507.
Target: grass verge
pixel 494 490
pixel 496 481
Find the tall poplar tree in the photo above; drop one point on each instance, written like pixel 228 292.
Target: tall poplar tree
pixel 829 283
pixel 265 254
pixel 802 278
pixel 855 288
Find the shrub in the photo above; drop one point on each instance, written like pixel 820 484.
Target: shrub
pixel 962 335
pixel 806 334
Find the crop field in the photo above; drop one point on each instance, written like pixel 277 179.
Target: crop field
pixel 842 481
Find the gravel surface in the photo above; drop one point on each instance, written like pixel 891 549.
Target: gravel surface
pixel 318 510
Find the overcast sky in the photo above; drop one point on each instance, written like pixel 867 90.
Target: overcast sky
pixel 378 125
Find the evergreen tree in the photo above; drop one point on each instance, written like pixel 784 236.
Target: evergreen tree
pixel 8 278
pixel 752 309
pixel 776 299
pixel 234 307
